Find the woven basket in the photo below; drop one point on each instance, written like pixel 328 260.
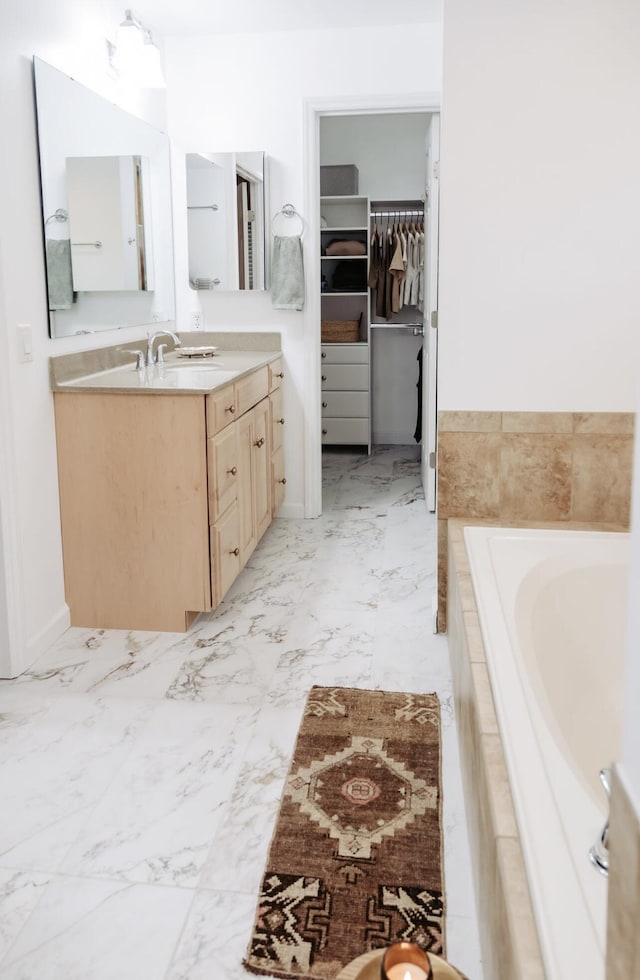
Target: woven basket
pixel 340 331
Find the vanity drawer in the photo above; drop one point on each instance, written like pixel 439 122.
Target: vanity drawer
pixel 345 404
pixel 345 432
pixel 276 418
pixel 345 354
pixel 221 409
pixel 276 374
pixel 251 390
pixel 345 377
pixel 222 471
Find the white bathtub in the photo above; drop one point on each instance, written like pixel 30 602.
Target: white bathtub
pixel 552 609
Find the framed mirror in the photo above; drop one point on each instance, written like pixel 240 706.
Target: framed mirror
pixel 226 223
pixel 106 203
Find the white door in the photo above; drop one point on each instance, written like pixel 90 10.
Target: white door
pixel 430 344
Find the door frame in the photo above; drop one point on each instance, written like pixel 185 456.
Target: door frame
pixel 313 109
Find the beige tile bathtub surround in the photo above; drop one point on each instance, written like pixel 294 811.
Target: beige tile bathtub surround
pixel 623 937
pixel 511 468
pixel 510 949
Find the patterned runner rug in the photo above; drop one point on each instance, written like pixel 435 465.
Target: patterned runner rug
pixel 355 862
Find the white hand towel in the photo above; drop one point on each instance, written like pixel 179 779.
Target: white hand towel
pixel 287 273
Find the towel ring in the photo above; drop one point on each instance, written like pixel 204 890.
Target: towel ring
pixel 58 215
pixel 288 211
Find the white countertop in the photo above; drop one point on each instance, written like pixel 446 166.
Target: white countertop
pixel 178 375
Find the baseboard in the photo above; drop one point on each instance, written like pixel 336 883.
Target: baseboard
pixel 291 512
pixel 52 631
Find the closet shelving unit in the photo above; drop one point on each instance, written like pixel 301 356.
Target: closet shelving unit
pixel 345 368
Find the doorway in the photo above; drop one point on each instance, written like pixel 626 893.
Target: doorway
pixel 373 138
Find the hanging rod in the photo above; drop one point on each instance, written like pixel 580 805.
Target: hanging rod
pixel 396 212
pixel 202 207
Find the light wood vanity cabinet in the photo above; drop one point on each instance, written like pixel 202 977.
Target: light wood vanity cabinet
pixel 163 499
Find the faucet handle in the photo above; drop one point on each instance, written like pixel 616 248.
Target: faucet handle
pixel 605 779
pixel 160 353
pixel 139 356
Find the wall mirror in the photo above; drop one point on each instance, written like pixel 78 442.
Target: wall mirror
pixel 226 225
pixel 106 202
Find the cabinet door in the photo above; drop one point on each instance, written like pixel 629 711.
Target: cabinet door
pixel 278 480
pixel 246 521
pixel 261 469
pixel 225 553
pixel 222 464
pixel 277 419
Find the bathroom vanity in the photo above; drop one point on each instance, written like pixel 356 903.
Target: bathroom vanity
pixel 169 476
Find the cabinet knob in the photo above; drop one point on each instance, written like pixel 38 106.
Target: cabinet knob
pixel 280 374
pixel 233 470
pixel 324 353
pixel 236 552
pixel 231 408
pixel 324 377
pixel 259 442
pixel 283 480
pixel 280 421
pixel 324 404
pixel 324 432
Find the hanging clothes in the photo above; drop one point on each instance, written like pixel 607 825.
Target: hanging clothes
pixel 396 267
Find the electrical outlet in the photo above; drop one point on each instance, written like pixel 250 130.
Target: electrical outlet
pixel 196 320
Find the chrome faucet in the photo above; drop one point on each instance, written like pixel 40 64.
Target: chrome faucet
pixel 599 853
pixel 159 359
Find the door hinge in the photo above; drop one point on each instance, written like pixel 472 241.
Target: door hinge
pixel 432 461
pixel 434 319
pixel 436 169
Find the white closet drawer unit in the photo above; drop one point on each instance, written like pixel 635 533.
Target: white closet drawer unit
pixel 345 404
pixel 345 353
pixel 345 377
pixel 345 432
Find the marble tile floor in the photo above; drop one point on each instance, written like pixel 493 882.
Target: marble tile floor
pixel 140 773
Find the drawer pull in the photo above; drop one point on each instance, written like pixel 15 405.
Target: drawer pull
pixel 231 408
pixel 283 480
pixel 259 442
pixel 280 374
pixel 324 353
pixel 279 421
pixel 233 470
pixel 324 432
pixel 236 552
pixel 324 404
pixel 324 377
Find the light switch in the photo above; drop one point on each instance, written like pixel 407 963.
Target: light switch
pixel 25 342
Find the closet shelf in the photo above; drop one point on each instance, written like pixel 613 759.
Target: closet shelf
pixel 344 229
pixel 344 258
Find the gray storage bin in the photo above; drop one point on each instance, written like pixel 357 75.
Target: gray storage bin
pixel 340 178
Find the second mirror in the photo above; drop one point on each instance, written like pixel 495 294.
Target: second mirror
pixel 226 220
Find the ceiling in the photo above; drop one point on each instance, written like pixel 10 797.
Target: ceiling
pixel 168 17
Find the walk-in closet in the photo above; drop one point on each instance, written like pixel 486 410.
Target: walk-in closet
pixel 373 265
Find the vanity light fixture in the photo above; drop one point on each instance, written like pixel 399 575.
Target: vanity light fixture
pixel 135 55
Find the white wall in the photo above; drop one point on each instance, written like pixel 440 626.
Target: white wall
pixel 387 149
pixel 540 206
pixel 72 38
pixel 247 92
pixel 540 211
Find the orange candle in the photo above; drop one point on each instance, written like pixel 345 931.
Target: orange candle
pixel 405 961
pixel 406 971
